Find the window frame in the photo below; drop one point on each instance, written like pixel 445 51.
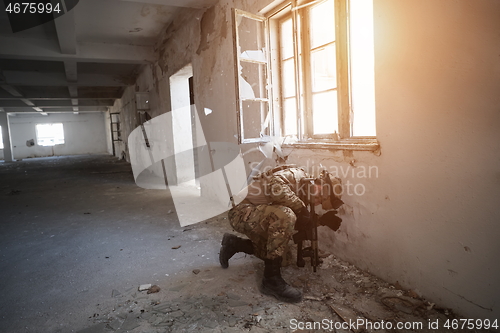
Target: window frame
pixel 51 124
pixel 299 11
pixel 268 91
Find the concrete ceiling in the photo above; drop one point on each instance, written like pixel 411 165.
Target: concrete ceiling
pixel 83 60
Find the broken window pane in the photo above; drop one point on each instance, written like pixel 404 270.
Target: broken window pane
pixel 252 61
pixel 254 118
pixel 254 75
pixel 255 55
pixel 250 36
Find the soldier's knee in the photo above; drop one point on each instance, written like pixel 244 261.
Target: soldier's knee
pixel 288 218
pixel 290 215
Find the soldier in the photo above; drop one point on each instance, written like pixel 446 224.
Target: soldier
pixel 273 204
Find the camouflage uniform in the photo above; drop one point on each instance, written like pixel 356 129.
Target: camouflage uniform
pixel 267 216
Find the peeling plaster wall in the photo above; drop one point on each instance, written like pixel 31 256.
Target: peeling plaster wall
pixel 426 214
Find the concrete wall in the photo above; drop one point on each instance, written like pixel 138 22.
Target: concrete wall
pixel 129 119
pixel 423 210
pixel 84 133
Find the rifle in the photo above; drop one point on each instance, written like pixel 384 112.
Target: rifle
pixel 309 230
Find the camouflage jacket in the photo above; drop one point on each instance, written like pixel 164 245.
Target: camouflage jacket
pixel 279 188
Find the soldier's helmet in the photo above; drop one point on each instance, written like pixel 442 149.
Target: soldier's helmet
pixel 333 186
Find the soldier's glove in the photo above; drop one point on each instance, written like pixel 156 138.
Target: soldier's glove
pixel 331 220
pixel 303 219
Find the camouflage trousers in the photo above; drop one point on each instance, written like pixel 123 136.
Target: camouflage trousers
pixel 269 227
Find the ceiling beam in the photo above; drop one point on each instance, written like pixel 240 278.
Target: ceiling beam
pixel 73 91
pixel 22 78
pixel 27 102
pixel 111 97
pixel 67 109
pixel 49 50
pixel 14 92
pixel 66 34
pixel 46 96
pixel 56 103
pixel 71 70
pixel 53 107
pixel 65 28
pixel 11 90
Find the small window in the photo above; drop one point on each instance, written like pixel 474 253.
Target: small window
pixel 312 73
pixel 50 134
pixel 1 138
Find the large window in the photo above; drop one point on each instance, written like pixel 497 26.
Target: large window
pixel 49 134
pixel 306 73
pixel 1 138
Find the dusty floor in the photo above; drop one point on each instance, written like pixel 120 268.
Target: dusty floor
pixel 78 238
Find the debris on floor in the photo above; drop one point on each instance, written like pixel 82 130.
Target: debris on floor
pixel 337 298
pixel 144 287
pixel 153 289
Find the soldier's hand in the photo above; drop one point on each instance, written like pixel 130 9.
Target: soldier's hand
pixel 331 220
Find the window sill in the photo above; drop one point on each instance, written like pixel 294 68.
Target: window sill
pixel 346 144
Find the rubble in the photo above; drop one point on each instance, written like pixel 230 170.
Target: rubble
pixel 228 300
pixel 144 287
pixel 338 293
pixel 154 289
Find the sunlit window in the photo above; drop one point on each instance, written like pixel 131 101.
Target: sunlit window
pixel 50 134
pixel 321 79
pixel 1 138
pixel 362 67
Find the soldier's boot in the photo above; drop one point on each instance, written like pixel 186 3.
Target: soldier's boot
pixel 231 245
pixel 273 284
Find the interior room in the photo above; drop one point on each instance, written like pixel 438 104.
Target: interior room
pixel 128 128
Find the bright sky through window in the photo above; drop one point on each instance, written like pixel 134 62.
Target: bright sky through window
pixel 362 67
pixel 50 134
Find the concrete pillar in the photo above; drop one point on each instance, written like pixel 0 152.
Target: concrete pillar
pixel 7 143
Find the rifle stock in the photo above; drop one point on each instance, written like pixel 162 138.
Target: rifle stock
pixel 308 232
